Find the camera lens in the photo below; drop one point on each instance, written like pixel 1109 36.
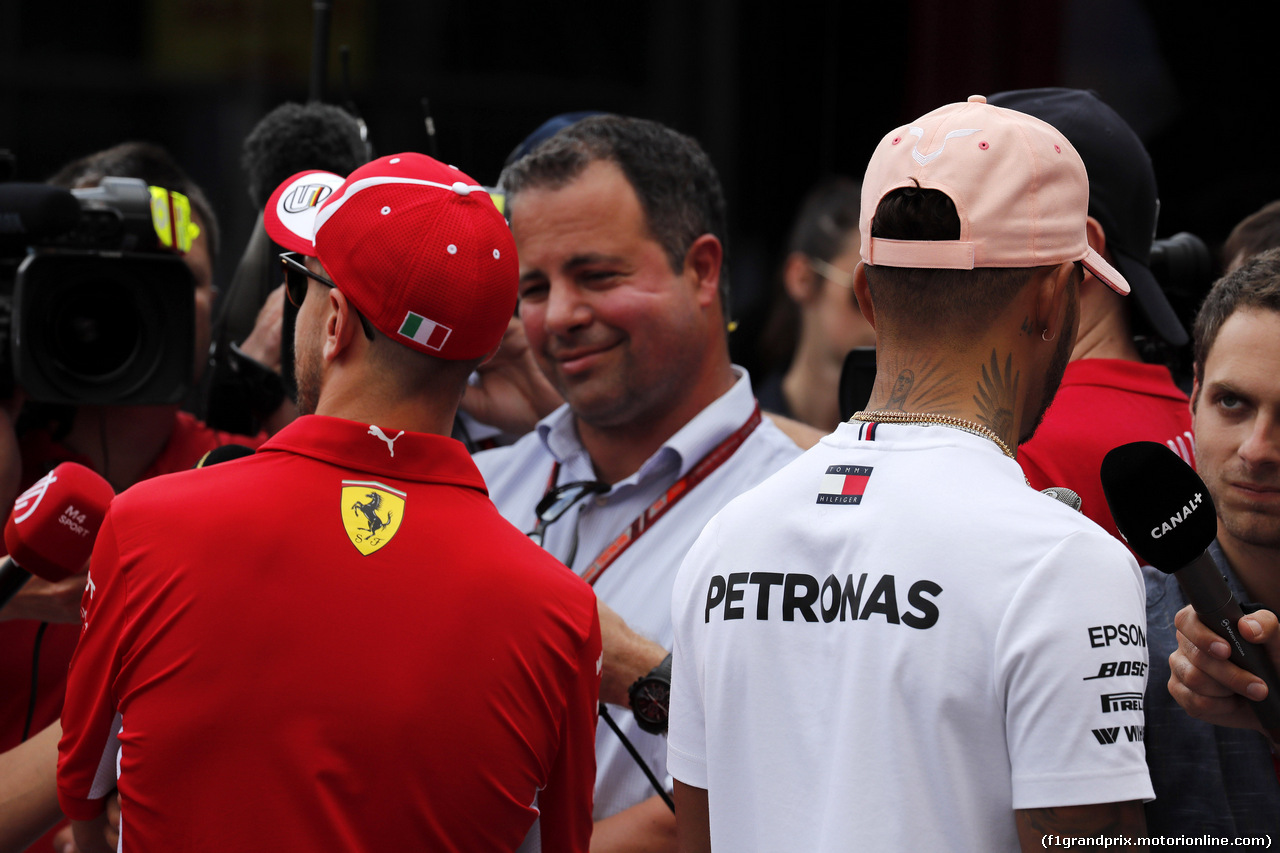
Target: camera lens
pixel 95 329
pixel 99 329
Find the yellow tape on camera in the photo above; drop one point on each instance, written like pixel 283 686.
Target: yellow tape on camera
pixel 171 216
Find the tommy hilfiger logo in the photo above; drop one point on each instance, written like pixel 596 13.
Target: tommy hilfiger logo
pixel 844 484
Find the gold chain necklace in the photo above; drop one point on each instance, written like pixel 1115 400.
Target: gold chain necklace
pixel 927 418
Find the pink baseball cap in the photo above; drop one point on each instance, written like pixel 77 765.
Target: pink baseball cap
pixel 1019 186
pixel 417 246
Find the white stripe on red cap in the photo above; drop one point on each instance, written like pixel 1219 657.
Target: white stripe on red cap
pixel 351 189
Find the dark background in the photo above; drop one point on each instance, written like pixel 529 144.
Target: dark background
pixel 779 94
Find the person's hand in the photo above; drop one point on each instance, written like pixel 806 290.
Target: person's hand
pixel 64 840
pixel 510 392
pixel 43 601
pixel 100 835
pixel 263 343
pixel 113 821
pixel 1206 684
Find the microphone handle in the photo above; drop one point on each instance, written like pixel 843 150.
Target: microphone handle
pixel 12 578
pixel 1224 620
pixel 319 49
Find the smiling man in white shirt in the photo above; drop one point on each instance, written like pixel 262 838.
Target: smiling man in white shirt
pixel 620 228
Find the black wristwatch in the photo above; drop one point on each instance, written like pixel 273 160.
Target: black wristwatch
pixel 651 698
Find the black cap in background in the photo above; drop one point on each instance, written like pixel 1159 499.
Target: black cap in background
pixel 1122 187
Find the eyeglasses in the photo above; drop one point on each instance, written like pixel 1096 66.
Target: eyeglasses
pixel 844 278
pixel 296 274
pixel 555 503
pixel 834 274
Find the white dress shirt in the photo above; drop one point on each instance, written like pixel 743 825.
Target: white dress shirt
pixel 638 584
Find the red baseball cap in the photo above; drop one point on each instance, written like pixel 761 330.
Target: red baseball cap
pixel 416 245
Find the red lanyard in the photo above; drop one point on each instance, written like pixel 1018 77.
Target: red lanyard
pixel 709 463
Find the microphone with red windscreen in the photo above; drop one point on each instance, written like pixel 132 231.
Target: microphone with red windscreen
pixel 51 530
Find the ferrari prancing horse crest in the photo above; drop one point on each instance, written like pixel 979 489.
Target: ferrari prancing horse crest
pixel 371 513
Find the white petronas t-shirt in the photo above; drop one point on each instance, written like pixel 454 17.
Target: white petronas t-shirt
pixel 894 643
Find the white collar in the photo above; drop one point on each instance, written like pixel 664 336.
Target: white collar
pixel 682 450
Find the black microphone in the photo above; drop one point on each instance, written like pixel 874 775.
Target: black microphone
pixel 225 453
pixel 36 211
pixel 857 378
pixel 319 48
pixel 1165 512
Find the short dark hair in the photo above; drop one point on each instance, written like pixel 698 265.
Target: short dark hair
pixel 1256 233
pixel 1255 284
pixel 293 137
pixel 678 188
pixel 963 302
pixel 148 162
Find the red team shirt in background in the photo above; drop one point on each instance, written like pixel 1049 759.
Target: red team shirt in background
pixel 19 653
pixel 335 644
pixel 34 655
pixel 1104 403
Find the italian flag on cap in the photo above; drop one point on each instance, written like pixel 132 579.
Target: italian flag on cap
pixel 428 333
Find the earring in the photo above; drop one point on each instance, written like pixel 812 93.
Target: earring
pixel 1044 338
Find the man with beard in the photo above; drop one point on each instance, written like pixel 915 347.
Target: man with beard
pixel 883 645
pixel 338 643
pixel 1210 779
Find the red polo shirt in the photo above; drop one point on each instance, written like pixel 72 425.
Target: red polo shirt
pixel 1102 404
pixel 334 644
